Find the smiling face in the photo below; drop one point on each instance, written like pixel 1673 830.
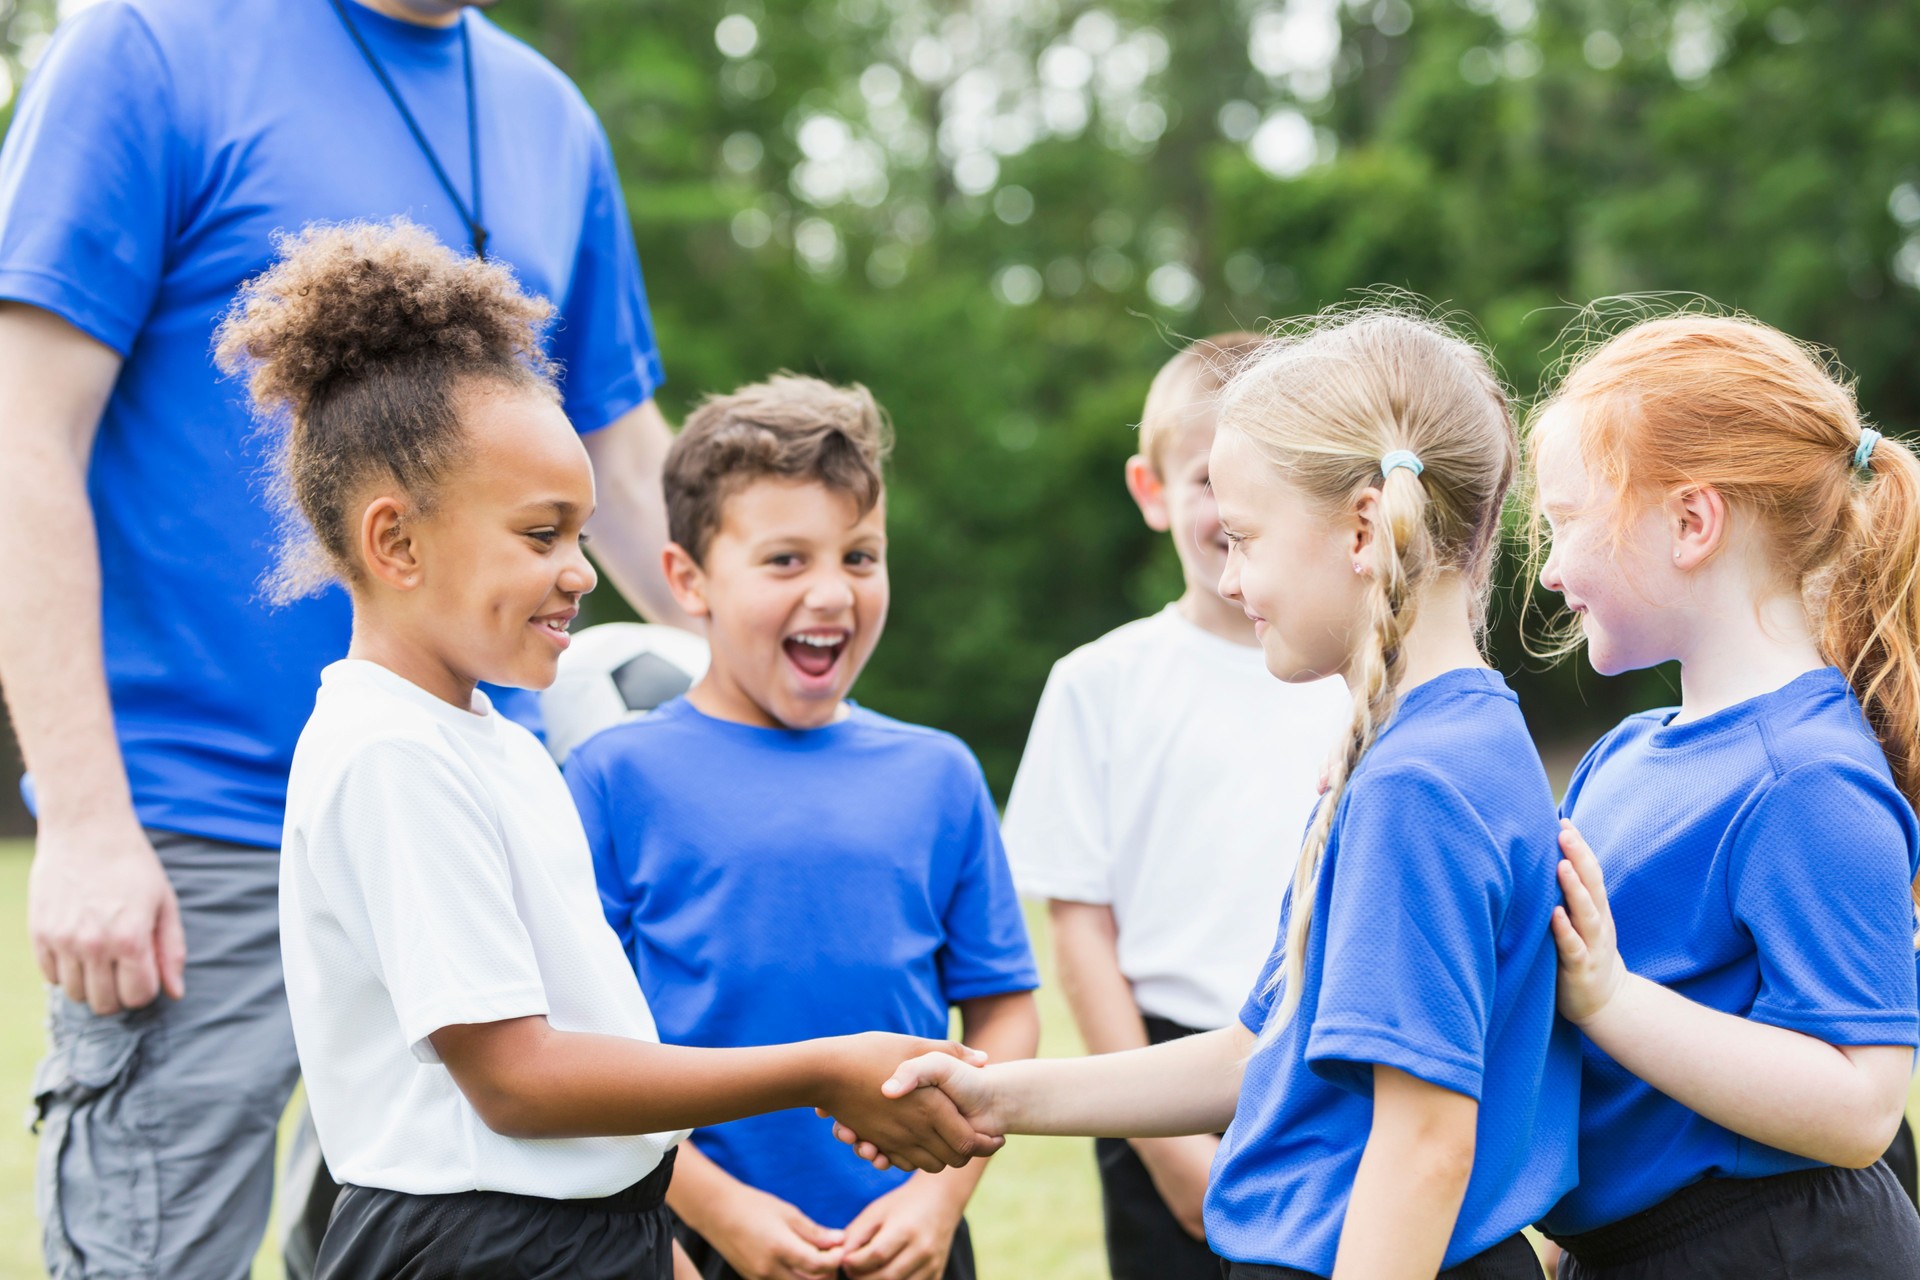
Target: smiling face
pixel 1289 564
pixel 794 589
pixel 483 586
pixel 1619 581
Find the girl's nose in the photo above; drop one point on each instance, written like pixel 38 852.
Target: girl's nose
pixel 578 575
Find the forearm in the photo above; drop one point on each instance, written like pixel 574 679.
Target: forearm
pixel 629 527
pixel 560 1084
pixel 1087 959
pixel 699 1189
pixel 1775 1086
pixel 50 648
pixel 1184 1086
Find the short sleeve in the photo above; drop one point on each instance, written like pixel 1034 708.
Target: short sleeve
pixel 587 782
pixel 1056 822
pixel 1411 917
pixel 1820 878
pixel 985 950
pixel 84 185
pixel 604 342
pixel 412 862
pixel 1259 1003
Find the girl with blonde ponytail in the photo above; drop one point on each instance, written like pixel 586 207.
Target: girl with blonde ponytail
pixel 1713 498
pixel 1402 1097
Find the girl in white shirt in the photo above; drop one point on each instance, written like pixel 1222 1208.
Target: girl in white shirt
pixel 484 1072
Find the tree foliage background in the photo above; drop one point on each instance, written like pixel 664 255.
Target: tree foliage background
pixel 1002 216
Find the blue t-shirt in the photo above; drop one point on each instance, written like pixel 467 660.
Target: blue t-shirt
pixel 1430 952
pixel 774 885
pixel 158 148
pixel 1758 861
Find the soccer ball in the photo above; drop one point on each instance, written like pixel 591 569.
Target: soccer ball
pixel 615 672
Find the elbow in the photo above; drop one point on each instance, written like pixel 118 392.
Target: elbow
pixel 1446 1163
pixel 1861 1142
pixel 506 1113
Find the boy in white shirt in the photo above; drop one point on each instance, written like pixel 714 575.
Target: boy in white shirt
pixel 1159 807
pixel 484 1071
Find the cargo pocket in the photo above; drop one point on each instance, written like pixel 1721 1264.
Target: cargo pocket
pixel 97 1190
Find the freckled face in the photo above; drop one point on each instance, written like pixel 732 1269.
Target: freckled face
pixel 1614 580
pixel 1289 564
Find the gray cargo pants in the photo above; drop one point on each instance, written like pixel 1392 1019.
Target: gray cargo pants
pixel 157 1125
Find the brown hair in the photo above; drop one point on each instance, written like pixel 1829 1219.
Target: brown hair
pixel 1693 400
pixel 1194 377
pixel 1329 400
pixel 789 427
pixel 356 344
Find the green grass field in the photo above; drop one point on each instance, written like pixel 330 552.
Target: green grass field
pixel 1037 1211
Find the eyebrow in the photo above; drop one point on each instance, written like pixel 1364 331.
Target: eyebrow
pixel 558 506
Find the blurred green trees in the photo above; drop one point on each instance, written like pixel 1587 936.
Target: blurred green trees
pixel 1003 215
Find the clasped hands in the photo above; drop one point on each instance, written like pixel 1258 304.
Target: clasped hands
pixel 947 1090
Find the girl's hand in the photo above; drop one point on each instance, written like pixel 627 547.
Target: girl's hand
pixel 906 1234
pixel 1591 971
pixel 912 1129
pixel 968 1088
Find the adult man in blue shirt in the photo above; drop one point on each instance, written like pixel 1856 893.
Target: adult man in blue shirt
pixel 157 150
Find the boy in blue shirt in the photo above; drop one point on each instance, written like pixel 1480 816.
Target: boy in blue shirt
pixel 778 861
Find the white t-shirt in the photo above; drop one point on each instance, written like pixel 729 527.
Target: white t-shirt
pixel 1169 775
pixel 434 873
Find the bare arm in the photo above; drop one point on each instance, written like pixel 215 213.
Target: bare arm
pixel 1086 954
pixel 1412 1178
pixel 1839 1104
pixel 104 921
pixel 527 1080
pixel 629 528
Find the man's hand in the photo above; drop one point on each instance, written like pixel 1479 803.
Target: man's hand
pixel 908 1126
pixel 1591 971
pixel 103 918
pixel 1179 1169
pixel 907 1233
pixel 764 1238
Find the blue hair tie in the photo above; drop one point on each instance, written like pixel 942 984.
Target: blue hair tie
pixel 1400 458
pixel 1863 456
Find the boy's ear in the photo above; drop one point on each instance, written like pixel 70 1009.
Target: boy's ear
pixel 387 547
pixel 1698 522
pixel 1149 493
pixel 686 579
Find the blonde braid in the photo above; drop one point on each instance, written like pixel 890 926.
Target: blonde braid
pixel 1403 561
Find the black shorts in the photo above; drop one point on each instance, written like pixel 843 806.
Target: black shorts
pixel 1817 1224
pixel 1511 1259
pixel 495 1235
pixel 1902 1159
pixel 711 1266
pixel 1144 1240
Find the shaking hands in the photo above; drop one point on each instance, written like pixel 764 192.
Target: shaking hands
pixel 909 1122
pixel 949 1085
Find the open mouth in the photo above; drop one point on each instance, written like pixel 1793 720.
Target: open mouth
pixel 816 652
pixel 554 625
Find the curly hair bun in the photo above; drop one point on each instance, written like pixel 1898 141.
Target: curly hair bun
pixel 348 300
pixel 356 344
